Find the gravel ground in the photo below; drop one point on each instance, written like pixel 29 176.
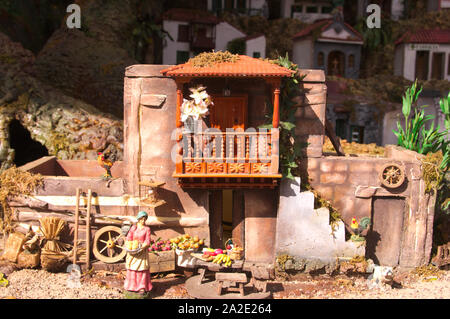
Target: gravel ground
pixel 40 284
pixel 407 286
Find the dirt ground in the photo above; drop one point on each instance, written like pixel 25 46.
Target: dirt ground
pixel 40 284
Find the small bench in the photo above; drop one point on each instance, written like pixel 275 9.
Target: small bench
pixel 227 279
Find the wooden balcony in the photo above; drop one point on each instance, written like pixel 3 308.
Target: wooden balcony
pixel 229 159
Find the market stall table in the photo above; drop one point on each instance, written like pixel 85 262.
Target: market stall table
pixel 236 266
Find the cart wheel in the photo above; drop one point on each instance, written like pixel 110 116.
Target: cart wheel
pixel 109 244
pixel 392 175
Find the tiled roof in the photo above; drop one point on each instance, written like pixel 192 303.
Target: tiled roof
pixel 189 15
pixel 245 66
pixel 323 25
pixel 425 36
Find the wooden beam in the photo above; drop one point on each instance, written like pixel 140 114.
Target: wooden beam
pixel 329 130
pixel 179 125
pixel 238 218
pixel 215 218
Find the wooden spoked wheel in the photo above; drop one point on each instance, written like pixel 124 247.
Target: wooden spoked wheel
pixel 109 244
pixel 392 175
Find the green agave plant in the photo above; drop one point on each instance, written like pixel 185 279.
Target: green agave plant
pixel 415 135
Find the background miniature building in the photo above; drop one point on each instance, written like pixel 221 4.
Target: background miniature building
pixel 331 45
pixel 195 31
pixel 306 11
pixel 247 7
pixel 436 5
pixel 423 55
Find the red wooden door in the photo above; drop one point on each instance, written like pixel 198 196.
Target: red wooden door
pixel 229 112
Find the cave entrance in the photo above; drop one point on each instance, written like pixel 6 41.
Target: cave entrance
pixel 27 149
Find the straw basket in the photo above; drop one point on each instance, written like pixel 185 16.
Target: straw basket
pixel 236 252
pixel 53 261
pixel 29 259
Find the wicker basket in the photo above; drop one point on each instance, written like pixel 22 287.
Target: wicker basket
pixel 237 253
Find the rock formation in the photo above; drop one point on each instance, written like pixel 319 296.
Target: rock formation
pixel 69 128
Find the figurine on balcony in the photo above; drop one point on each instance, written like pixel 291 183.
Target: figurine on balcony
pixel 137 263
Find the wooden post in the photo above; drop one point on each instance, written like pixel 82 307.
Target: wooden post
pixel 275 133
pixel 75 235
pixel 238 218
pixel 179 124
pixel 215 218
pixel 88 231
pixel 276 106
pixel 275 157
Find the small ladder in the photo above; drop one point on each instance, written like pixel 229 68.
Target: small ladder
pixel 78 216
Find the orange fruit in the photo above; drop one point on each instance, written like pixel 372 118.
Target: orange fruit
pixel 196 246
pixel 195 239
pixel 201 242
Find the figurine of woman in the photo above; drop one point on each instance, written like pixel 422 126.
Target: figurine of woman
pixel 138 265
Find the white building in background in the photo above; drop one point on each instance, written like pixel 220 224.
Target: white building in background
pixel 194 32
pixel 436 5
pixel 247 7
pixel 424 54
pixel 306 11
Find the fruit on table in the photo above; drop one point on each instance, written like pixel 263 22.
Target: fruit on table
pixel 222 259
pixel 160 245
pixel 186 241
pixel 218 251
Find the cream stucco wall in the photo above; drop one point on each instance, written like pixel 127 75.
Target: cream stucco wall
pixel 302 53
pixel 405 59
pixel 224 34
pixel 256 45
pixel 170 47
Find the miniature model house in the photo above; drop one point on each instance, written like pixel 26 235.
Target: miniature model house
pixel 436 5
pixel 423 55
pixel 331 45
pixel 248 7
pixel 306 11
pixel 194 32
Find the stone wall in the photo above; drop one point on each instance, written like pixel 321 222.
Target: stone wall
pixel 310 115
pixel 149 121
pixel 352 185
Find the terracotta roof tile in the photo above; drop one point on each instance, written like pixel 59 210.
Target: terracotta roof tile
pixel 426 36
pixel 323 25
pixel 245 66
pixel 309 29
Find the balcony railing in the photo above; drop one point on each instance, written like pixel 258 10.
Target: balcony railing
pixel 233 153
